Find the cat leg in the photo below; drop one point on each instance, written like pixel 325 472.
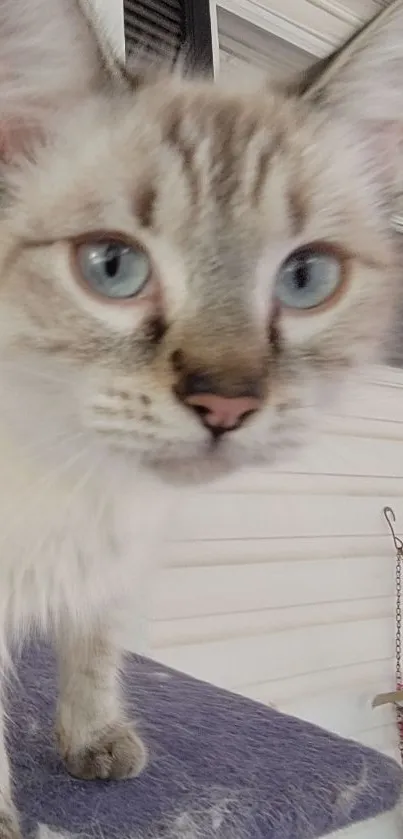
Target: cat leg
pixel 9 827
pixel 95 738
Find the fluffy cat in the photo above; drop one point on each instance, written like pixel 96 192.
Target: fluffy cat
pixel 183 269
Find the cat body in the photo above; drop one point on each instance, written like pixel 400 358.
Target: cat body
pixel 185 270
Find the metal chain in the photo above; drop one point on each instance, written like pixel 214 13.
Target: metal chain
pixel 399 684
pixel 399 617
pixel 391 518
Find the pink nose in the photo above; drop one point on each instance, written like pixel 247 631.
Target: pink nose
pixel 222 413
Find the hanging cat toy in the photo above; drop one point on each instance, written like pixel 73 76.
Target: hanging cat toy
pixel 395 697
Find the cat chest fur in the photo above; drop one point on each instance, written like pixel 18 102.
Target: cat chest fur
pixel 66 549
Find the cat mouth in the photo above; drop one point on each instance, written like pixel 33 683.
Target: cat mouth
pixel 176 460
pixel 179 462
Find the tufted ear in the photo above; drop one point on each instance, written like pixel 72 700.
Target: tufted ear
pixel 365 75
pixel 363 82
pixel 50 56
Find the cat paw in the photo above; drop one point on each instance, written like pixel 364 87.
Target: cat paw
pixel 9 827
pixel 116 753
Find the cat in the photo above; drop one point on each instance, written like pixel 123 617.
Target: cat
pixel 185 268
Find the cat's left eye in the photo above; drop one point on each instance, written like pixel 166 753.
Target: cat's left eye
pixel 309 278
pixel 113 269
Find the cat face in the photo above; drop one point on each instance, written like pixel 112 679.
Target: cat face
pixel 184 269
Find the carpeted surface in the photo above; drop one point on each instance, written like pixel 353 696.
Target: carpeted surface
pixel 221 767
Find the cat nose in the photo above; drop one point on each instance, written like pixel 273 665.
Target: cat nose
pixel 218 411
pixel 222 413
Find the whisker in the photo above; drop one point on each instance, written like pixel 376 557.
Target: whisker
pixel 84 480
pixel 72 461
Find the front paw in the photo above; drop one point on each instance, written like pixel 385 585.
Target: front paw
pixel 115 753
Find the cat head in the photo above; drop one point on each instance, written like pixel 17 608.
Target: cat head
pixel 185 268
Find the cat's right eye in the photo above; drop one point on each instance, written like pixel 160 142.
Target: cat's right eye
pixel 113 269
pixel 310 277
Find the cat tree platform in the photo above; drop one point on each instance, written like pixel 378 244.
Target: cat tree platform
pixel 220 766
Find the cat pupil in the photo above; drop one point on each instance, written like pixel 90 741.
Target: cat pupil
pixel 301 275
pixel 112 261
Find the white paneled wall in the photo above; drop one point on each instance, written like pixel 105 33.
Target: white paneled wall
pixel 279 584
pixel 312 25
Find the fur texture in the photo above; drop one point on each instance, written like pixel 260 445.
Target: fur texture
pixel 218 188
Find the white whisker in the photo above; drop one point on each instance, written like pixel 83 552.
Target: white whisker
pixel 84 480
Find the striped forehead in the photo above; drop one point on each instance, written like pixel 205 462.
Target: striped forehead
pixel 226 150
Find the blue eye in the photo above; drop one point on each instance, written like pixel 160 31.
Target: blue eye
pixel 113 269
pixel 308 278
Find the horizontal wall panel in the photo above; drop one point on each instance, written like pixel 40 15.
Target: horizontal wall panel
pixel 209 627
pixel 346 712
pixel 383 739
pixel 253 516
pixel 282 483
pixel 364 677
pixel 275 585
pixel 232 662
pixel 241 551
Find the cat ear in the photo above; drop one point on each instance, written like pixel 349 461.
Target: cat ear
pixel 363 80
pixel 50 57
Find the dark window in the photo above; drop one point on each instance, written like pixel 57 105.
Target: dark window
pixel 167 27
